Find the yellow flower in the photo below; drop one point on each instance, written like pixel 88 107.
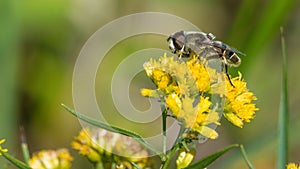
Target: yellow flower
pixel 83 144
pixel 200 73
pixel 2 150
pixel 173 102
pixel 149 93
pixel 194 93
pixel 161 79
pixel 292 166
pixel 184 158
pixel 45 159
pixel 205 117
pixel 239 107
pixel 183 85
pixel 101 145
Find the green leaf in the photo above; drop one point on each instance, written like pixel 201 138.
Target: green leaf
pixel 102 125
pixel 114 129
pixel 211 158
pixel 15 161
pixel 283 112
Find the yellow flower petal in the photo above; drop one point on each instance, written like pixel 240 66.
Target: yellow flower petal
pixel 207 132
pixel 234 119
pixel 149 93
pixel 185 158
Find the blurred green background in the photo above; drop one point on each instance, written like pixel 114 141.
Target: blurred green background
pixel 40 41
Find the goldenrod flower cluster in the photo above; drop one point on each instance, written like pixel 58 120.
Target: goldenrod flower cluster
pixel 195 93
pixel 45 159
pixel 109 148
pixel 239 107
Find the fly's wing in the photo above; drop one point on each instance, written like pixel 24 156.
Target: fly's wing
pixel 236 51
pixel 224 46
pixel 198 42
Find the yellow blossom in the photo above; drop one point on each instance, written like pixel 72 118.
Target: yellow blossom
pixel 161 79
pixel 149 93
pixel 292 166
pixel 2 150
pixel 59 159
pixel 173 103
pixel 185 158
pixel 239 107
pixel 200 73
pixel 83 144
pixel 194 93
pixel 101 145
pixel 183 85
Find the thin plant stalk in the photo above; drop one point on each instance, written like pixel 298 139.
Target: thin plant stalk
pixel 24 146
pixel 283 112
pixel 246 157
pixel 164 125
pixel 170 155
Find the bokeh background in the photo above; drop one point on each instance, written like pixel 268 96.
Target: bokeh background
pixel 40 41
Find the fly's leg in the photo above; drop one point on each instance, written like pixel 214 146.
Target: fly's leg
pixel 226 71
pixel 181 51
pixel 224 65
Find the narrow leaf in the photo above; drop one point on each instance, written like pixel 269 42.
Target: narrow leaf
pixel 114 129
pixel 15 161
pixel 283 112
pixel 211 158
pixel 102 125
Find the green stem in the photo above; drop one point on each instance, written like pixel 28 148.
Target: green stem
pixel 14 161
pixel 24 145
pixel 246 157
pixel 185 146
pixel 170 156
pixel 179 136
pixel 99 165
pixel 283 112
pixel 164 124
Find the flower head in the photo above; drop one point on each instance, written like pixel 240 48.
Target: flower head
pixel 101 145
pixel 2 150
pixel 186 91
pixel 239 107
pixel 194 93
pixel 59 159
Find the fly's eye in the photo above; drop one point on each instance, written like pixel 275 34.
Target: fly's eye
pixel 171 44
pixel 175 44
